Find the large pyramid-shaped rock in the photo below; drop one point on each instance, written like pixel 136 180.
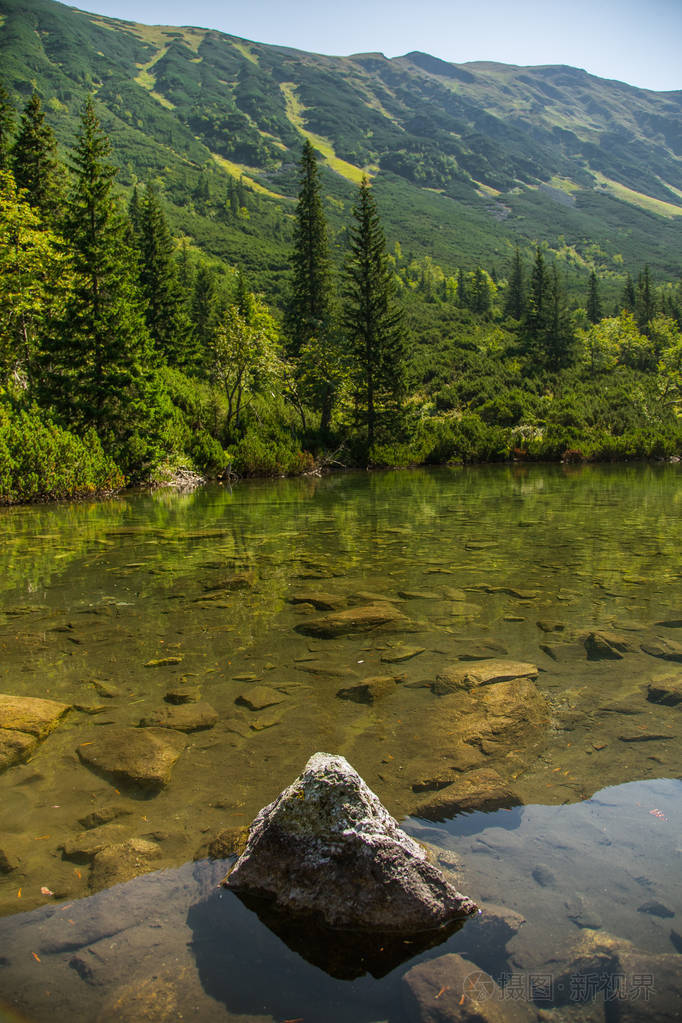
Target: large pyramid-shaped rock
pixel 327 847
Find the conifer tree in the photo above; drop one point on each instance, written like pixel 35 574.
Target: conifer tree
pixel 373 325
pixel 462 296
pixel 164 311
pixel 36 167
pixel 538 302
pixel 480 293
pixel 96 365
pixel 515 299
pixel 203 311
pixel 309 313
pixel 594 310
pixel 7 126
pixel 629 299
pixel 645 306
pixel 135 215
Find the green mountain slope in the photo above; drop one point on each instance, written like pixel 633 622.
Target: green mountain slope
pixel 467 160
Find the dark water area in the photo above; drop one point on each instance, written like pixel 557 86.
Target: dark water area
pixel 215 626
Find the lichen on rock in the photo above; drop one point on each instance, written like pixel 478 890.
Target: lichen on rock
pixel 327 848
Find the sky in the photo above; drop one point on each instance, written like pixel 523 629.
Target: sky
pixel 634 41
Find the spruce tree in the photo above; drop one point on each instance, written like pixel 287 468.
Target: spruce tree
pixel 645 306
pixel 36 167
pixel 203 312
pixel 373 326
pixel 629 299
pixel 594 310
pixel 480 293
pixel 96 365
pixel 537 303
pixel 159 282
pixel 7 126
pixel 462 296
pixel 309 312
pixel 515 299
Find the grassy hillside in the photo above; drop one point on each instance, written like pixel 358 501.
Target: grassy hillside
pixel 467 160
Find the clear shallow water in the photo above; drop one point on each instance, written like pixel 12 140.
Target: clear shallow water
pixel 89 595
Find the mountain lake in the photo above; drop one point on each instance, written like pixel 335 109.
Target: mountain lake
pixel 496 650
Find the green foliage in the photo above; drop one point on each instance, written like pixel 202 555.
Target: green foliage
pixel 96 366
pixel 35 281
pixel 41 461
pixel 373 326
pixel 34 157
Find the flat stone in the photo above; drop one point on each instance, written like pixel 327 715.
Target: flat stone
pixel 482 652
pixel 401 654
pixel 581 913
pixel 186 717
pixel 550 626
pixel 84 847
pixel 455 677
pixel 355 620
pixel 15 747
pixel 320 601
pixel 137 756
pixel 31 715
pixel 123 861
pixel 259 698
pixel 666 689
pixel 268 718
pixel 370 690
pixel 644 736
pixel 162 662
pixel 105 689
pixel 103 815
pixel 543 876
pixel 481 789
pixel 228 842
pixel 184 693
pixel 418 595
pixel 327 848
pixel 665 649
pixel 452 989
pixel 606 646
pixel 654 908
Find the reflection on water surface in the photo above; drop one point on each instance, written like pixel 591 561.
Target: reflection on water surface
pixel 249 628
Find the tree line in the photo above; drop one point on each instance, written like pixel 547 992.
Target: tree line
pixel 123 349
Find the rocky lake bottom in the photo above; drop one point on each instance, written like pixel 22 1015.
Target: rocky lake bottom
pixel 498 653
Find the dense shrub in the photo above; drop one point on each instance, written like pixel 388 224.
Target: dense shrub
pixel 39 460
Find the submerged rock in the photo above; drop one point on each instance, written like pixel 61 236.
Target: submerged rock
pixel 24 722
pixel 355 620
pixel 138 756
pixel 488 672
pixel 28 714
pixel 123 861
pixel 371 689
pixel 482 789
pixel 606 646
pixel 326 848
pixel 15 747
pixel 260 698
pixel 184 717
pixel 663 648
pixel 452 989
pixel 665 689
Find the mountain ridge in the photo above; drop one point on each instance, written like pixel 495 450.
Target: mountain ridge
pixel 468 159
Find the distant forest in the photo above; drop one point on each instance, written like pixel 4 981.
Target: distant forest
pixel 126 353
